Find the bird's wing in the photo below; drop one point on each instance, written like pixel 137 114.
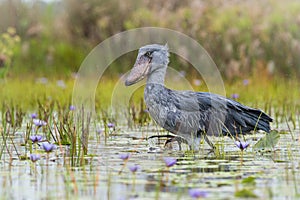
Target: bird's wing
pixel 215 110
pixel 190 101
pixel 203 112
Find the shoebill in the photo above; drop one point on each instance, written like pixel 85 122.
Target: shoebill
pixel 190 115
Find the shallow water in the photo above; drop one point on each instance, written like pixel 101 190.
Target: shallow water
pixel 275 174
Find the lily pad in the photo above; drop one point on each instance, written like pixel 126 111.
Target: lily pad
pixel 249 181
pixel 244 193
pixel 267 142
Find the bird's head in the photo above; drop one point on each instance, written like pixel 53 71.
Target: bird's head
pixel 150 58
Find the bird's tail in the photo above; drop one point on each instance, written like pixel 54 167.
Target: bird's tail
pixel 259 120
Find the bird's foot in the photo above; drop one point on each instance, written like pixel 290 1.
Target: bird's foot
pixel 213 149
pixel 161 136
pixel 178 139
pixel 170 139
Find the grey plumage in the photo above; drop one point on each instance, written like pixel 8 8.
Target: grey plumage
pixel 186 113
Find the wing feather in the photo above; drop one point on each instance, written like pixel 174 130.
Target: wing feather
pixel 211 108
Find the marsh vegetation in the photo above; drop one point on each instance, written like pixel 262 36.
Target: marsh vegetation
pixel 51 149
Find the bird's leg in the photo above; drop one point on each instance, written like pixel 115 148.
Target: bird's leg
pixel 178 139
pixel 161 136
pixel 210 143
pixel 171 138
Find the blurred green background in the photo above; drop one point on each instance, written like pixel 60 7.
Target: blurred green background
pixel 245 38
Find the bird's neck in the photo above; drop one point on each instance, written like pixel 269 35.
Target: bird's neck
pixel 157 76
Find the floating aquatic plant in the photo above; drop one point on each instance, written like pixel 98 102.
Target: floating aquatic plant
pixel 72 108
pixel 34 157
pixel 110 125
pixel 33 115
pixel 242 145
pixel 39 123
pixel 235 96
pixel 245 193
pixel 61 84
pixel 246 82
pixel 268 141
pixel 169 161
pixel 35 138
pixel 48 147
pixel 133 168
pixel 125 156
pixel 197 193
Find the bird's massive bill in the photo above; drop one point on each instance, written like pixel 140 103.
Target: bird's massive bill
pixel 139 71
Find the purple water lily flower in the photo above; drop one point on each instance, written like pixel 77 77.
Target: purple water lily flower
pixel 241 145
pixel 235 96
pixel 39 122
pixel 110 125
pixel 61 84
pixel 35 138
pixel 48 147
pixel 197 193
pixel 124 156
pixel 33 115
pixel 72 108
pixel 34 157
pixel 42 80
pixel 133 168
pixel 170 161
pixel 246 82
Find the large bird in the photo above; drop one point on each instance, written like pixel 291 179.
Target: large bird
pixel 188 114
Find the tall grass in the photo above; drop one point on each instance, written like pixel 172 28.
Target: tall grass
pixel 260 92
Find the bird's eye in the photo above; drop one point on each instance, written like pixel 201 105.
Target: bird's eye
pixel 148 54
